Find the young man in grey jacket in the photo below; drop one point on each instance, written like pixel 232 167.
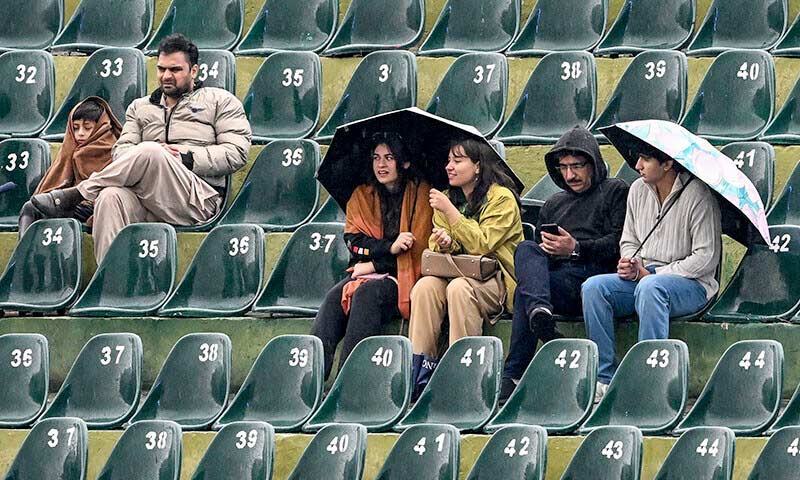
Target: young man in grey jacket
pixel 674 272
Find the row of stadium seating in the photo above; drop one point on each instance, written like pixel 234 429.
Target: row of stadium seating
pixel 462 26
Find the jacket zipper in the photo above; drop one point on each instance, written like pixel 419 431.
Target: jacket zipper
pixel 168 118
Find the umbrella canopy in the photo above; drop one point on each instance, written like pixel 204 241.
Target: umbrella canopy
pixel 743 205
pixel 348 162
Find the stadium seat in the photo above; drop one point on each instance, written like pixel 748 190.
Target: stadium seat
pixel 135 277
pixel 608 453
pixel 765 287
pixel 217 68
pixel 314 247
pixel 473 26
pixel 44 272
pixel 649 390
pixel 242 450
pixel 779 459
pixel 292 26
pixel 533 200
pixel 100 23
pixel 211 222
pixel 33 26
pixel 626 173
pixel 653 87
pixel 383 81
pixel 56 448
pixel 724 29
pixel 499 147
pixel 425 452
pixel 371 25
pixel 25 378
pixel 224 277
pixel 473 92
pixel 557 389
pixel 383 365
pixel 329 212
pixel 701 452
pixel 784 210
pixel 560 94
pixel 744 390
pixel 463 389
pixel 515 451
pixel 192 386
pixel 649 24
pixel 561 25
pixel 115 74
pixel 736 99
pixel 337 451
pixel 217 25
pixel 24 162
pixel 27 92
pixel 790 416
pixel 757 161
pixel 785 127
pixel 528 231
pixel 102 388
pixel 148 449
pixel 285 96
pixel 284 386
pixel 789 45
pixel 280 192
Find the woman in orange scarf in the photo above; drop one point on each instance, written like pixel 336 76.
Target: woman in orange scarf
pixel 387 228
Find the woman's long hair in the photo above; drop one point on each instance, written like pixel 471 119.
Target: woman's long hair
pixel 490 172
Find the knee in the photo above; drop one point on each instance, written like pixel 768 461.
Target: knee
pixel 423 289
pixel 593 287
pixel 458 289
pixel 650 288
pixel 527 249
pixel 367 292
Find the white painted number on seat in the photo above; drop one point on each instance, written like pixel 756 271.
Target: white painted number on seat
pixel 293 77
pixel 467 358
pixel 703 448
pixel 107 70
pixel 53 434
pixel 316 241
pixel 383 74
pixel 739 160
pixel 338 444
pixel 51 237
pixel 524 444
pixel 298 357
pixel 780 243
pixel 149 248
pixel 21 358
pixel 239 246
pixel 571 70
pixel 561 359
pixel 206 72
pixel 292 157
pixel 156 440
pixel 106 356
pixel 613 450
pixel 419 448
pixel 383 357
pixel 793 449
pixel 208 353
pixel 653 359
pixel 246 439
pixel 479 73
pixel 748 72
pixel 23 158
pixel 655 69
pixel 759 362
pixel 26 73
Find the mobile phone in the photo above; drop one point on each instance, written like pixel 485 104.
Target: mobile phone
pixel 551 228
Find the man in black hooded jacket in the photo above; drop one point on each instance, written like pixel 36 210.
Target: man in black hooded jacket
pixel 590 214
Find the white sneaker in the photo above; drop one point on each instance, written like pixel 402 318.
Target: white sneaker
pixel 600 391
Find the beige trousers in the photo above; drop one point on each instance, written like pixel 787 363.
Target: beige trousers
pixel 146 184
pixel 466 302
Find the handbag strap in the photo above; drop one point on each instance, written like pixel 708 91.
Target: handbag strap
pixel 661 216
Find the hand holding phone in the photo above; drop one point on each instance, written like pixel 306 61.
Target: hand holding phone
pixel 550 228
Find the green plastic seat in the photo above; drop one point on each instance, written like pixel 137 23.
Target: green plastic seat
pixel 243 450
pixel 148 449
pixel 463 391
pixel 626 173
pixel 431 452
pixel 102 387
pixel 224 277
pixel 23 161
pixel 528 231
pixel 211 222
pixel 649 24
pixel 44 272
pixel 765 286
pixel 100 23
pixel 381 365
pixel 384 81
pixel 757 161
pixel 285 96
pixel 533 200
pixel 515 451
pixel 371 25
pixel 560 94
pixel 561 25
pixel 135 277
pixel 786 210
pixel 217 68
pixel 337 451
pixel 473 92
pixel 27 92
pixel 33 25
pixel 779 459
pixel 329 212
pixel 610 453
pixel 736 99
pixel 701 452
pixel 789 45
pixel 653 87
pixel 784 129
pixel 314 247
pixel 292 26
pixel 724 28
pixel 56 448
pixel 744 390
pixel 192 387
pixel 556 391
pixel 284 386
pixel 114 74
pixel 649 390
pixel 25 378
pixel 790 416
pixel 473 26
pixel 218 24
pixel 280 192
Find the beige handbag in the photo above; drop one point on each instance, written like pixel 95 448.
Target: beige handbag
pixel 445 265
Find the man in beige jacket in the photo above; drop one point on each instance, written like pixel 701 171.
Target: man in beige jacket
pixel 170 163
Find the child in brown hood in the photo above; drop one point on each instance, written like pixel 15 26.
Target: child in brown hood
pixel 91 132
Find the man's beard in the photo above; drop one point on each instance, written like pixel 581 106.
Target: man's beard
pixel 178 91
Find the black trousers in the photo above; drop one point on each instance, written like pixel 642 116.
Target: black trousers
pixel 373 304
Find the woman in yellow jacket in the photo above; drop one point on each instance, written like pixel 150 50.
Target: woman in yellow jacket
pixel 478 215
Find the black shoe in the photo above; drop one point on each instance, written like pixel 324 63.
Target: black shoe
pixel 56 204
pixel 541 321
pixel 507 387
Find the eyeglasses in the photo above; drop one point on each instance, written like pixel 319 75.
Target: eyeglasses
pixel 575 167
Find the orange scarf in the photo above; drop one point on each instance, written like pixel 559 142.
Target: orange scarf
pixel 364 216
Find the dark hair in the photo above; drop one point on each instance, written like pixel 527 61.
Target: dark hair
pixel 178 43
pixel 490 172
pixel 88 110
pixel 398 147
pixel 662 158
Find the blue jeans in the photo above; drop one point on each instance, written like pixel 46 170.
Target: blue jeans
pixel 654 299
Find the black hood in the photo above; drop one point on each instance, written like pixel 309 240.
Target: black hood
pixel 578 139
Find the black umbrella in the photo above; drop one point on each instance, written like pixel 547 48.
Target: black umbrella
pixel 348 162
